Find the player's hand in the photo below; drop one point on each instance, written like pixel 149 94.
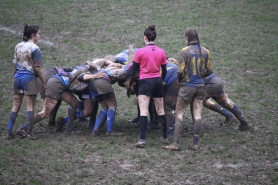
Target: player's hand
pixel 100 75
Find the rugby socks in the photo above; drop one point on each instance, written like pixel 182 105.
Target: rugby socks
pixel 217 108
pixel 143 127
pixel 93 115
pixel 71 115
pixel 197 130
pixel 101 119
pixel 110 119
pixel 79 114
pixel 11 121
pixel 177 131
pixel 238 114
pixel 164 125
pixel 29 120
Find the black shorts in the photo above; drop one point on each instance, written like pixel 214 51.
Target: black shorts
pixel 151 87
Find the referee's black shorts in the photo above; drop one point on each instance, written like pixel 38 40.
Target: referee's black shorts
pixel 151 87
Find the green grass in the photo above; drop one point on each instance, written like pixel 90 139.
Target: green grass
pixel 242 37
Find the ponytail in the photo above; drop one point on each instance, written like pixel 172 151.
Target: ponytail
pixel 150 33
pixel 28 31
pixel 192 35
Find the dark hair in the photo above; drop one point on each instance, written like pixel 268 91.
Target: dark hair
pixel 150 33
pixel 192 35
pixel 28 31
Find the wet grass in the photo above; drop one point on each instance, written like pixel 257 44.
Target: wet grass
pixel 242 37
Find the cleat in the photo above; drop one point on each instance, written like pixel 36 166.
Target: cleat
pixel 194 147
pixel 22 131
pixel 242 127
pixel 95 133
pixel 60 124
pixel 172 147
pixel 140 144
pixel 164 140
pixel 31 137
pixel 9 137
pixel 113 134
pixel 134 120
pixel 228 121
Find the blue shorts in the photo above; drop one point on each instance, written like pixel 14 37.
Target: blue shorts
pixel 26 83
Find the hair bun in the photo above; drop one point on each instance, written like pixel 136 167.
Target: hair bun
pixel 152 27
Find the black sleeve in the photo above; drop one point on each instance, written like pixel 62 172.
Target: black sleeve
pixel 134 69
pixel 164 71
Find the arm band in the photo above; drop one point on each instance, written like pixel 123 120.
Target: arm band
pixel 164 71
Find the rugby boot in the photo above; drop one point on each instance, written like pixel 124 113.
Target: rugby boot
pixel 9 137
pixel 31 136
pixel 60 124
pixel 228 121
pixel 113 134
pixel 140 144
pixel 164 140
pixel 194 147
pixel 243 127
pixel 95 133
pixel 134 120
pixel 22 131
pixel 172 147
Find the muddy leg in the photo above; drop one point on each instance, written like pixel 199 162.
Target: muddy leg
pixel 52 117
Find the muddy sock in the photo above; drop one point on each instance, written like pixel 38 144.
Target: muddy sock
pixel 93 115
pixel 101 119
pixel 11 121
pixel 177 130
pixel 238 114
pixel 164 125
pixel 79 114
pixel 143 126
pixel 110 119
pixel 217 108
pixel 71 115
pixel 30 121
pixel 197 130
